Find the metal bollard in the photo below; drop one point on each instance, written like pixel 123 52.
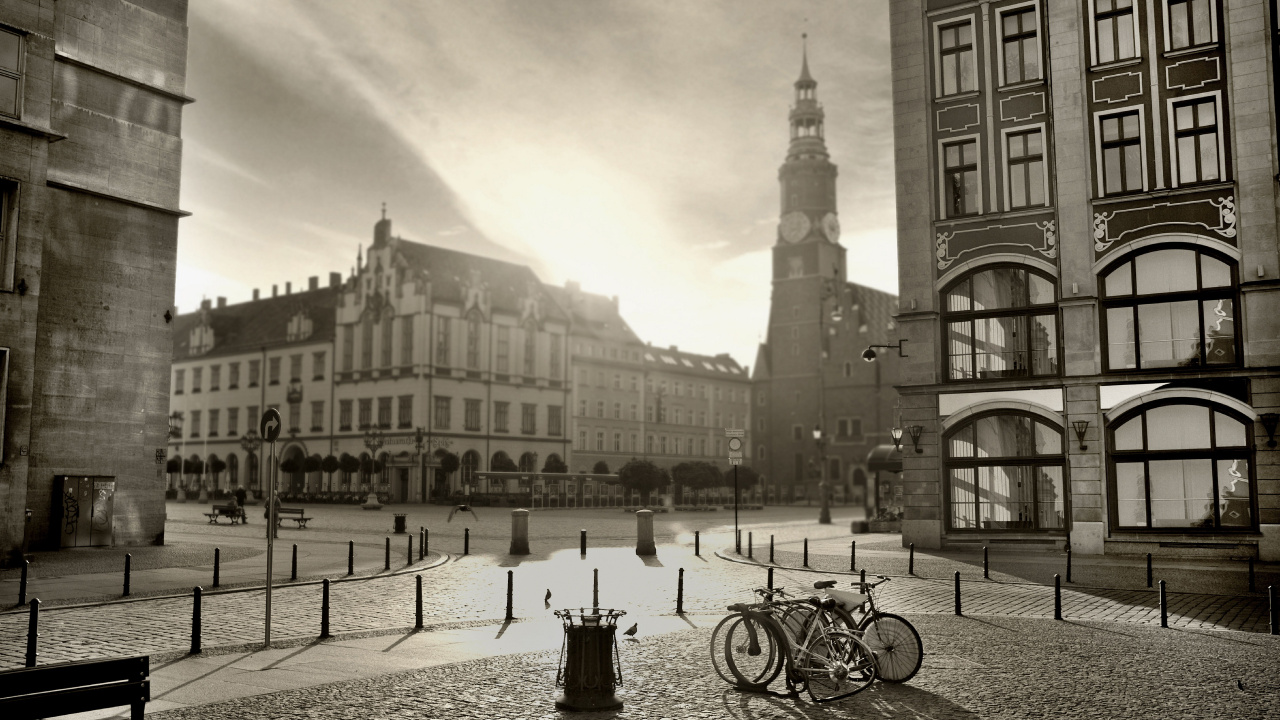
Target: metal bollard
pixel 985 574
pixel 1275 610
pixel 680 593
pixel 737 541
pixel 195 619
pixel 1148 569
pixel 409 558
pixel 293 566
pixel 351 557
pixel 1164 607
pixel 697 543
pixel 426 540
pixel 387 563
pixel 324 611
pixel 582 542
pixel 1251 581
pixel 958 592
pixel 911 559
pixel 418 615
pixel 128 566
pixel 33 631
pixel 770 548
pixel 806 552
pixel 510 592
pixel 217 565
pixel 595 588
pixel 1057 597
pixel 853 555
pixel 1068 564
pixel 770 578
pixel 863 581
pixel 466 541
pixel 22 585
pixel 422 542
pixel 750 540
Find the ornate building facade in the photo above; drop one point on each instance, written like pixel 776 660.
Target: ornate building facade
pixel 1087 237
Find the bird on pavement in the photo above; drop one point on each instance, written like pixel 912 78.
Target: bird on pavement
pixel 462 508
pixel 631 632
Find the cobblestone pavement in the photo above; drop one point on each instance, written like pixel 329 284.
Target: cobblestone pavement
pixel 974 668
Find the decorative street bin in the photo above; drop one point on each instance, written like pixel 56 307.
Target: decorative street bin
pixel 400 523
pixel 590 670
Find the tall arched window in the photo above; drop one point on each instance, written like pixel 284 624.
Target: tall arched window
pixel 251 469
pixel 1170 307
pixel 233 470
pixel 1181 465
pixel 473 342
pixel 468 466
pixel 1005 472
pixel 1001 322
pixel 529 462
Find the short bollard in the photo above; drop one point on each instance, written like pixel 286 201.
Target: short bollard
pixel 737 541
pixel 911 559
pixel 426 540
pixel 1148 569
pixel 582 542
pixel 853 556
pixel 806 552
pixel 1164 607
pixel 386 565
pixel 351 557
pixel 770 578
pixel 957 592
pixel 1251 585
pixel 33 631
pixel 1275 610
pixel 588 664
pixel 750 540
pixel 409 558
pixel 417 624
pixel 324 611
pixel 22 585
pixel 195 619
pixel 128 566
pixel 1057 597
pixel 510 593
pixel 863 582
pixel 217 565
pixel 697 544
pixel 1068 564
pixel 595 588
pixel 680 593
pixel 644 534
pixel 466 541
pixel 985 574
pixel 422 542
pixel 293 566
pixel 770 548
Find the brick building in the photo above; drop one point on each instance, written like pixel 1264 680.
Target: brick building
pixel 1087 238
pixel 91 100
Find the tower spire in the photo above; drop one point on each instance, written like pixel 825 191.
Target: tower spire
pixel 805 77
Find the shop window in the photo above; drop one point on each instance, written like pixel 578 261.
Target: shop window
pixel 1005 472
pixel 1001 322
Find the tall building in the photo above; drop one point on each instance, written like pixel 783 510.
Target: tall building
pixel 809 375
pixel 1087 237
pixel 91 100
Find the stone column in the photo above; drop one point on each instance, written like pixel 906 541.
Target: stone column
pixel 519 532
pixel 644 533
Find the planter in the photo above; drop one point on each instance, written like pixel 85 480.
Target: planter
pixel 885 526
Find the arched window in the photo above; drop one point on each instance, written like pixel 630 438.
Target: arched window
pixel 473 342
pixel 1005 472
pixel 1001 322
pixel 251 469
pixel 1170 307
pixel 233 470
pixel 467 467
pixel 1181 465
pixel 529 462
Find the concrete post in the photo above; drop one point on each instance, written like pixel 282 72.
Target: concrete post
pixel 644 533
pixel 519 532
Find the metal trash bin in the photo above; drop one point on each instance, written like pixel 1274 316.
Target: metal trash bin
pixel 400 523
pixel 590 670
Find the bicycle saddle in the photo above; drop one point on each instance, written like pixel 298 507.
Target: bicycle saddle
pixel 824 584
pixel 824 603
pixel 738 607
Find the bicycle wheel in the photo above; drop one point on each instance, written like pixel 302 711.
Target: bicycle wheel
pixel 750 667
pixel 896 645
pixel 836 664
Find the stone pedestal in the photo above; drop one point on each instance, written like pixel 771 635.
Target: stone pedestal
pixel 644 533
pixel 519 532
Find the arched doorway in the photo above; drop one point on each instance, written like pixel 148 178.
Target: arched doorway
pixel 293 477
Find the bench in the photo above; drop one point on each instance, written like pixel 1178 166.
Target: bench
pixel 236 513
pixel 74 687
pixel 301 518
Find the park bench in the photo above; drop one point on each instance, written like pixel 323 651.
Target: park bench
pixel 74 687
pixel 236 513
pixel 301 518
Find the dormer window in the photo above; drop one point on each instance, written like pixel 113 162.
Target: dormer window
pixel 200 340
pixel 299 327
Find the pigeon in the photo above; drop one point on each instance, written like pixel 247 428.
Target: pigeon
pixel 1239 684
pixel 548 597
pixel 462 508
pixel 631 632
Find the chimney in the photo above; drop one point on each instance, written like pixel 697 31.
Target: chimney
pixel 288 288
pixel 205 304
pixel 255 293
pixel 572 286
pixel 222 302
pixel 335 279
pixel 675 349
pixel 615 303
pixel 275 290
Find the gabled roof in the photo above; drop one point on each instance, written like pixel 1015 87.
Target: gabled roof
pixel 721 367
pixel 762 363
pixel 257 324
pixel 594 316
pixel 449 271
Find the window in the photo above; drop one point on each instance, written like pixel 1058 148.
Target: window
pixel 213 423
pixel 1026 168
pixel 1181 466
pixel 648 444
pixel 255 370
pixel 317 365
pixel 233 421
pixel 366 414
pixel 530 349
pixel 759 424
pixel 1020 45
pixel 1005 472
pixel 556 370
pixel 273 370
pixel 195 379
pixel 582 408
pixel 366 343
pixel 582 440
pixel 344 414
pixel 956 58
pixel 1115 28
pixel 442 341
pixel 500 415
pixel 471 415
pixel 406 411
pixel 662 445
pixel 632 414
pixel 635 384
pixel 504 349
pixel 441 419
pixel 348 348
pixel 388 330
pixel 10 73
pixel 473 342
pixel 759 452
pixel 1001 322
pixel 528 418
pixel 215 378
pixel 677 419
pixel 554 426
pixel 1171 307
pixel 406 340
pixel 617 411
pixel 1191 22
pixel 849 429
pixel 599 441
pixel 295 416
pixel 632 446
pixel 1196 140
pixel 617 442
pixel 797 432
pixel 317 416
pixel 252 416
pixel 295 367
pixel 960 179
pixel 233 376
pixel 195 423
pixel 599 408
pixel 384 412
pixel 179 379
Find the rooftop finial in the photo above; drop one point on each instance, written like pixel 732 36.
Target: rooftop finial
pixel 804 67
pixel 384 211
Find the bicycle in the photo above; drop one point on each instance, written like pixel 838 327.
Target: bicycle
pixel 750 648
pixel 894 640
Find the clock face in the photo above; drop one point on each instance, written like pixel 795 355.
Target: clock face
pixel 794 226
pixel 831 227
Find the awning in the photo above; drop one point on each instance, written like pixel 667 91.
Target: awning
pixel 884 457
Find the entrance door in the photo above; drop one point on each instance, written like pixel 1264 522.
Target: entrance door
pixel 403 474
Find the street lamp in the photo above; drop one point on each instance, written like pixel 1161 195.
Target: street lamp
pixel 374 441
pixel 824 515
pixel 250 442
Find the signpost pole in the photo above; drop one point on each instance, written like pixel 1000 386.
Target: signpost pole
pixel 735 503
pixel 270 429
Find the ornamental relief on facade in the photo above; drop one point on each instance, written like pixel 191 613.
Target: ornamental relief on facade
pixel 1035 237
pixel 1114 89
pixel 1214 214
pixel 1192 74
pixel 958 118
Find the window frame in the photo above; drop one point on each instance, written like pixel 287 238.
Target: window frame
pixel 1093 35
pixel 1099 149
pixel 939 84
pixel 1166 12
pixel 1220 127
pixel 1001 42
pixel 1029 311
pixel 1212 453
pixel 19 74
pixel 1008 161
pixel 943 205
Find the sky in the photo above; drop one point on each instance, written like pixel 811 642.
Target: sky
pixel 630 146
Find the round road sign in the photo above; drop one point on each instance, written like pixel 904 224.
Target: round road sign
pixel 735 444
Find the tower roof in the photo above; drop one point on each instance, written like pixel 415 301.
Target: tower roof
pixel 805 77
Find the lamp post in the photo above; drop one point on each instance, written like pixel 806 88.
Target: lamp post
pixel 250 442
pixel 419 443
pixel 374 441
pixel 175 431
pixel 824 515
pixel 831 288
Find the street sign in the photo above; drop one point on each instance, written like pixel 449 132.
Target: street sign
pixel 735 461
pixel 269 428
pixel 734 432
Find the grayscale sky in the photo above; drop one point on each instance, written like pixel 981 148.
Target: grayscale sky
pixel 631 146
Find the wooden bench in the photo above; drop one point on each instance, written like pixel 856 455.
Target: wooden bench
pixel 74 687
pixel 236 514
pixel 301 518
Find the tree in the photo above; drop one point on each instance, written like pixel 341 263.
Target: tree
pixel 696 475
pixel 174 465
pixel 747 478
pixel 643 477
pixel 290 465
pixel 449 463
pixel 554 465
pixel 349 464
pixel 330 465
pixel 312 464
pixel 601 468
pixel 502 463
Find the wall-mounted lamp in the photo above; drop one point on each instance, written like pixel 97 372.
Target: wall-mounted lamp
pixel 1269 421
pixel 1081 427
pixel 870 353
pixel 896 434
pixel 915 431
